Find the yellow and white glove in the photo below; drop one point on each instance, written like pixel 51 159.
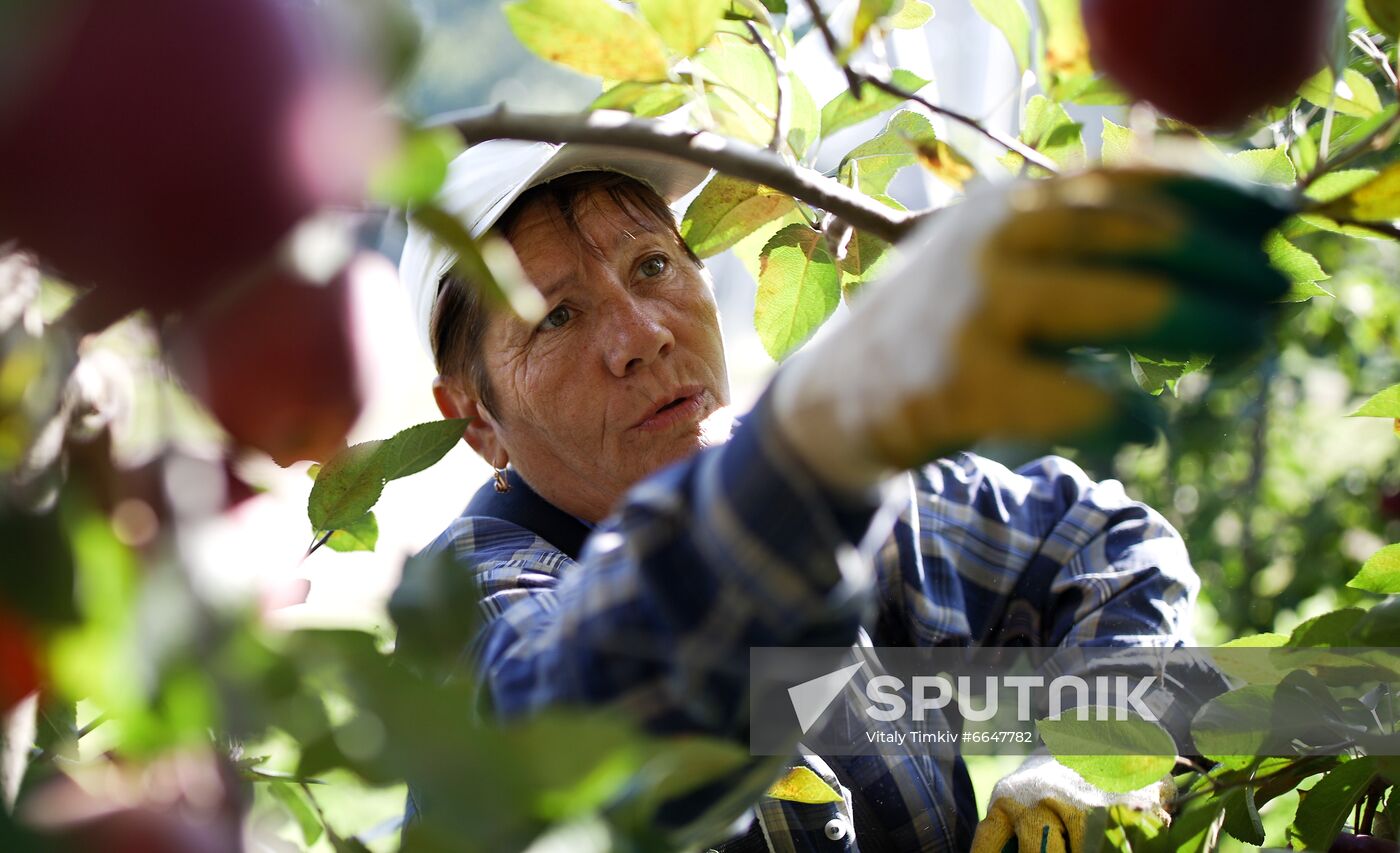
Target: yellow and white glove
pixel 1045 807
pixel 971 335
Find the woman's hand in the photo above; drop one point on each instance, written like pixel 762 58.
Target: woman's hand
pixel 972 335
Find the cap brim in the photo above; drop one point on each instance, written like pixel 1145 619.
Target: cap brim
pixel 668 177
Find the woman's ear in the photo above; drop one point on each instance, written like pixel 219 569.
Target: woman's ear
pixel 481 433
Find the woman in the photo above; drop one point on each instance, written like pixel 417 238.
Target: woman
pixel 630 557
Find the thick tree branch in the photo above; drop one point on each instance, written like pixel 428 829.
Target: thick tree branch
pixel 731 157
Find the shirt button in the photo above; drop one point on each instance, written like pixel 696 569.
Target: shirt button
pixel 836 829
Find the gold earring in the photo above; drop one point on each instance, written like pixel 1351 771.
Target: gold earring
pixel 502 484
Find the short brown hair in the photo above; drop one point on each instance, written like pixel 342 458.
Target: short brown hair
pixel 460 314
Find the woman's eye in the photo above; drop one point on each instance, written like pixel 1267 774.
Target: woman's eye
pixel 556 318
pixel 653 266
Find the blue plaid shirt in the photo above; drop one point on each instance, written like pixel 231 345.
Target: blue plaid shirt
pixel 739 547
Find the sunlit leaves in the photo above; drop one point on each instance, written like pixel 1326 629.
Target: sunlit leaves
pixel 643 99
pixel 870 165
pixel 1352 95
pixel 945 163
pixel 591 36
pixel 1385 404
pixel 360 535
pixel 1049 129
pixel 727 210
pixel 798 289
pixel 912 15
pixel 1380 573
pixel 868 13
pixel 1300 267
pixel 1377 200
pixel 741 94
pixel 1155 373
pixel 1115 755
pixel 845 110
pixel 1117 144
pixel 685 25
pixel 1333 185
pixel 417 172
pixel 1064 60
pixel 1264 166
pixel 350 484
pixel 1009 17
pixel 1324 808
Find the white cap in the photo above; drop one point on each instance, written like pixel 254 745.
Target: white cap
pixel 483 181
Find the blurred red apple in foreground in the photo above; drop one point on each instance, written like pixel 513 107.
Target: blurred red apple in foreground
pixel 19 666
pixel 178 804
pixel 156 148
pixel 280 368
pixel 1207 62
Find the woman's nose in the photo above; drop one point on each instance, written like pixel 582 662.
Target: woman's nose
pixel 638 336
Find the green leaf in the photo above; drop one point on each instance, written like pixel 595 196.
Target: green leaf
pixel 591 36
pixel 866 257
pixel 1377 200
pixel 1064 67
pixel 870 165
pixel 1330 629
pixel 1242 816
pixel 685 25
pixel 741 91
pixel 798 288
pixel 351 483
pixel 1323 809
pixel 1353 95
pixel 1385 404
pixel 433 608
pixel 1115 755
pixel 1117 144
pixel 1385 14
pixel 644 99
pixel 1256 641
pixel 417 171
pixel 1048 129
pixel 1010 18
pixel 294 801
pixel 1302 291
pixel 490 264
pixel 844 110
pixel 912 15
pixel 1157 373
pixel 1301 268
pixel 1333 185
pixel 727 210
pixel 361 535
pixel 1264 166
pixel 1380 573
pixel 801 785
pixel 867 14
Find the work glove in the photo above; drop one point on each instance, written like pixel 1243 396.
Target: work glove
pixel 1044 806
pixel 974 334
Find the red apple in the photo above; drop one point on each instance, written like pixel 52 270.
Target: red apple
pixel 156 148
pixel 177 804
pixel 19 660
pixel 1348 843
pixel 1206 62
pixel 280 368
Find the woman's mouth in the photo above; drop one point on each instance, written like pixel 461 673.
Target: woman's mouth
pixel 689 406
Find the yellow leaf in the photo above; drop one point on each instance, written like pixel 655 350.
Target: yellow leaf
pixel 947 165
pixel 801 785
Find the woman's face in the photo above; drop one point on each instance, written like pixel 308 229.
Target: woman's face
pixel 629 361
